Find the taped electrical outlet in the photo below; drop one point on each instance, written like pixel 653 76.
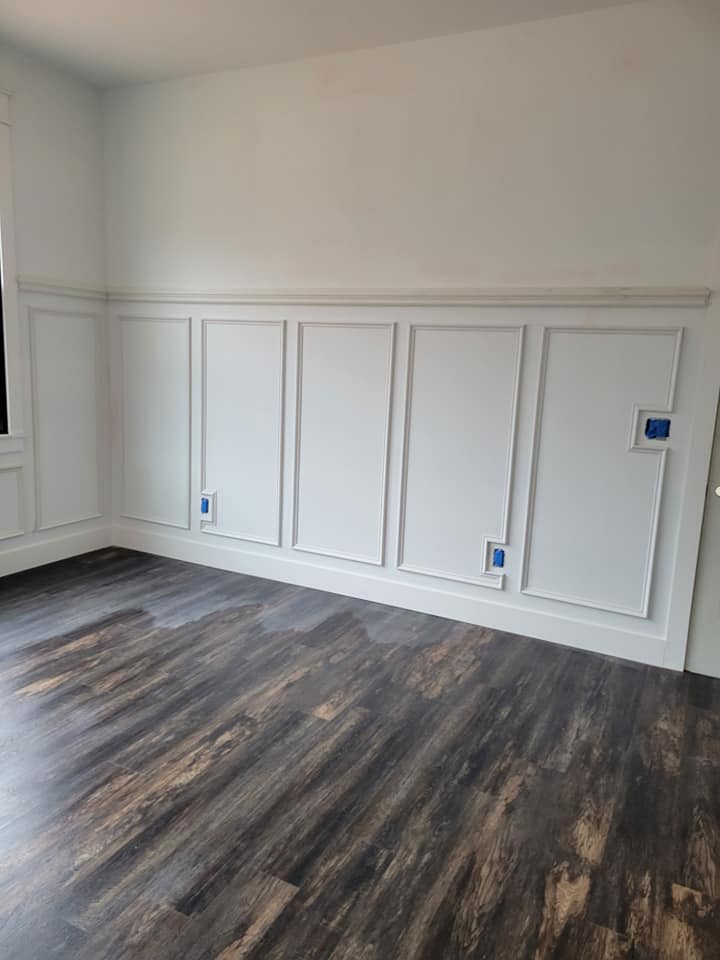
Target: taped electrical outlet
pixel 208 500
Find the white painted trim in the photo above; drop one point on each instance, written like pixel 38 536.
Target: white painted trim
pixel 145 319
pixel 213 529
pixel 160 523
pixel 633 446
pixel 494 582
pixel 17 468
pixel 39 552
pixel 568 631
pixel 486 577
pixel 12 443
pixel 644 296
pixel 12 326
pixel 693 494
pixel 37 462
pixel 528 296
pixel 6 99
pixel 378 561
pixel 208 528
pixel 60 288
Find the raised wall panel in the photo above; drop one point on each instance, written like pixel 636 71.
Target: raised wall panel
pixel 65 404
pixel 156 419
pixel 596 482
pixel 343 413
pixel 11 503
pixel 243 427
pixel 459 438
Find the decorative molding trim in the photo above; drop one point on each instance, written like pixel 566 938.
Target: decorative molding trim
pixel 59 288
pixel 154 520
pixel 213 528
pixel 12 443
pixel 33 312
pixel 553 296
pixel 187 321
pixel 528 296
pixel 6 100
pixel 17 468
pixel 486 577
pixel 378 561
pixel 633 446
pixel 36 551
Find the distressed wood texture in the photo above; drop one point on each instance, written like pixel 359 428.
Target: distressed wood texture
pixel 197 764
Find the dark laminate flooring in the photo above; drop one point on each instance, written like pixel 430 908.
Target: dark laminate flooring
pixel 197 764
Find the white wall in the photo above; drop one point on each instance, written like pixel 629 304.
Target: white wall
pixel 54 468
pixel 57 172
pixel 578 150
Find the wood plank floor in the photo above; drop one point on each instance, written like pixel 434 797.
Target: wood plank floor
pixel 197 764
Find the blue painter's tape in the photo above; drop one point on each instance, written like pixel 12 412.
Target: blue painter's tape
pixel 498 557
pixel 657 429
pixel 205 505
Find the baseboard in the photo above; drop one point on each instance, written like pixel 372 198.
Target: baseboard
pixel 570 632
pixel 39 552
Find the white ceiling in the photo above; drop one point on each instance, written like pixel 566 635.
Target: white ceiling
pixel 126 41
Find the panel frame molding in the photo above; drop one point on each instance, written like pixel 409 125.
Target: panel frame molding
pixel 187 322
pixel 657 449
pixel 486 577
pixel 213 529
pixel 391 327
pixel 33 312
pixel 17 469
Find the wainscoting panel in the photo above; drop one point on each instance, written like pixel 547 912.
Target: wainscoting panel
pixel 385 449
pixel 597 483
pixel 12 521
pixel 344 384
pixel 64 358
pixel 156 419
pixel 243 426
pixel 459 439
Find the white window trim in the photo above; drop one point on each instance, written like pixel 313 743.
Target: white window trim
pixel 14 441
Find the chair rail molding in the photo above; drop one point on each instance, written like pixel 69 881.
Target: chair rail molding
pixel 603 296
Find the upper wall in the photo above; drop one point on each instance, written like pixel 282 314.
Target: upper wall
pixel 57 160
pixel 569 151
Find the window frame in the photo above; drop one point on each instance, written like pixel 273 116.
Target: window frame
pixel 10 352
pixel 4 399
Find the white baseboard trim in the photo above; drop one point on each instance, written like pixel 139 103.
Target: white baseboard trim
pixel 39 552
pixel 568 632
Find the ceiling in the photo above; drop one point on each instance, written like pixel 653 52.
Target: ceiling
pixel 113 42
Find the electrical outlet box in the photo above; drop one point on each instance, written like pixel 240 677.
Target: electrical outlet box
pixel 208 500
pixel 657 429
